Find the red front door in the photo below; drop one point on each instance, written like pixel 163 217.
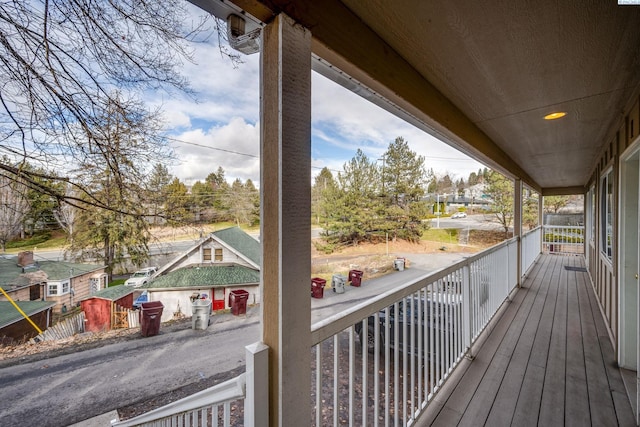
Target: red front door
pixel 218 298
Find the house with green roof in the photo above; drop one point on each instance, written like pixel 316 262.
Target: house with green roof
pixel 26 277
pixel 224 261
pixel 14 327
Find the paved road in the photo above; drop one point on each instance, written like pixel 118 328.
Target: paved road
pixel 63 390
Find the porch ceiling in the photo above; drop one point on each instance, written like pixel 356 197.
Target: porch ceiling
pixel 481 75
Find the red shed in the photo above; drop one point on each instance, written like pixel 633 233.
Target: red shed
pixel 100 308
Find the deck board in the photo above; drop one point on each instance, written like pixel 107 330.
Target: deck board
pixel 553 393
pixel 548 360
pixel 507 397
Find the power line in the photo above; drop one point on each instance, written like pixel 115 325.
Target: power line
pixel 213 148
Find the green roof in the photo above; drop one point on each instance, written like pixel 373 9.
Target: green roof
pixel 9 314
pixel 237 239
pixel 113 293
pixel 11 275
pixel 209 276
pixel 59 270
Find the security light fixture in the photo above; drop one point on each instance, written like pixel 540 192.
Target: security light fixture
pixel 239 39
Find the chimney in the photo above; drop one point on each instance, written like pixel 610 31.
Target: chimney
pixel 25 258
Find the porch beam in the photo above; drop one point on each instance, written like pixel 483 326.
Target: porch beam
pixel 285 183
pixel 342 39
pixel 563 191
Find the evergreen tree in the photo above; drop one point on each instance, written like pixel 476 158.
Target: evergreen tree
pixel 404 173
pixel 177 203
pixel 321 195
pixel 159 180
pixel 111 224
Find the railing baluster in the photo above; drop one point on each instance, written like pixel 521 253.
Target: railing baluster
pixel 319 385
pixel 396 367
pixel 387 367
pixel 365 366
pixel 352 362
pixel 376 370
pixel 336 350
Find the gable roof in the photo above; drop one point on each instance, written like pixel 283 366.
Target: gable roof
pixel 113 293
pixel 233 238
pixel 208 276
pixel 9 314
pixel 236 239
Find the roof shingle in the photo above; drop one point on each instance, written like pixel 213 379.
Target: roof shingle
pixel 209 276
pixel 241 241
pixel 9 314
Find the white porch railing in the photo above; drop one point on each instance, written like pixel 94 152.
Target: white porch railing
pixel 530 245
pixel 225 404
pixel 380 362
pixel 563 239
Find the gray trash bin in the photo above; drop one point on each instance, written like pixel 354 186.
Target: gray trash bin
pixel 398 264
pixel 201 309
pixel 337 283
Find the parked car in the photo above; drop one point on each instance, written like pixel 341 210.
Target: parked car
pixel 141 277
pixel 459 215
pixel 438 314
pixel 143 297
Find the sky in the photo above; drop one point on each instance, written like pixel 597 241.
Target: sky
pixel 220 127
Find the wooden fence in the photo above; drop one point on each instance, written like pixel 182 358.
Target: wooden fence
pixel 63 329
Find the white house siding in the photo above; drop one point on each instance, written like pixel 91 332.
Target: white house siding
pixel 196 257
pixel 181 298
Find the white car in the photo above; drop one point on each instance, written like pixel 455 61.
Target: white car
pixel 141 277
pixel 458 215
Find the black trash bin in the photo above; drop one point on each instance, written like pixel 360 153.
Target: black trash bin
pixel 355 277
pixel 238 301
pixel 150 315
pixel 317 287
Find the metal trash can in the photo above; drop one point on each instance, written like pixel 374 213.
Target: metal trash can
pixel 150 315
pixel 238 301
pixel 337 283
pixel 355 277
pixel 317 287
pixel 398 264
pixel 201 311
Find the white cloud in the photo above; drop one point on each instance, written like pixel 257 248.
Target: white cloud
pixel 226 117
pixel 221 146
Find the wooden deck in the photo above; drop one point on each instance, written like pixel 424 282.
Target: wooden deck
pixel 548 360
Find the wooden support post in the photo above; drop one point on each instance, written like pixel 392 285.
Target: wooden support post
pixel 517 227
pixel 285 186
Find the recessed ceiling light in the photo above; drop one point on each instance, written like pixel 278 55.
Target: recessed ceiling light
pixel 556 115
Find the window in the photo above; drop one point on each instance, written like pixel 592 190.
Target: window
pixel 65 287
pixel 52 289
pixel 606 214
pixel 592 213
pixel 206 254
pixel 218 254
pixel 94 285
